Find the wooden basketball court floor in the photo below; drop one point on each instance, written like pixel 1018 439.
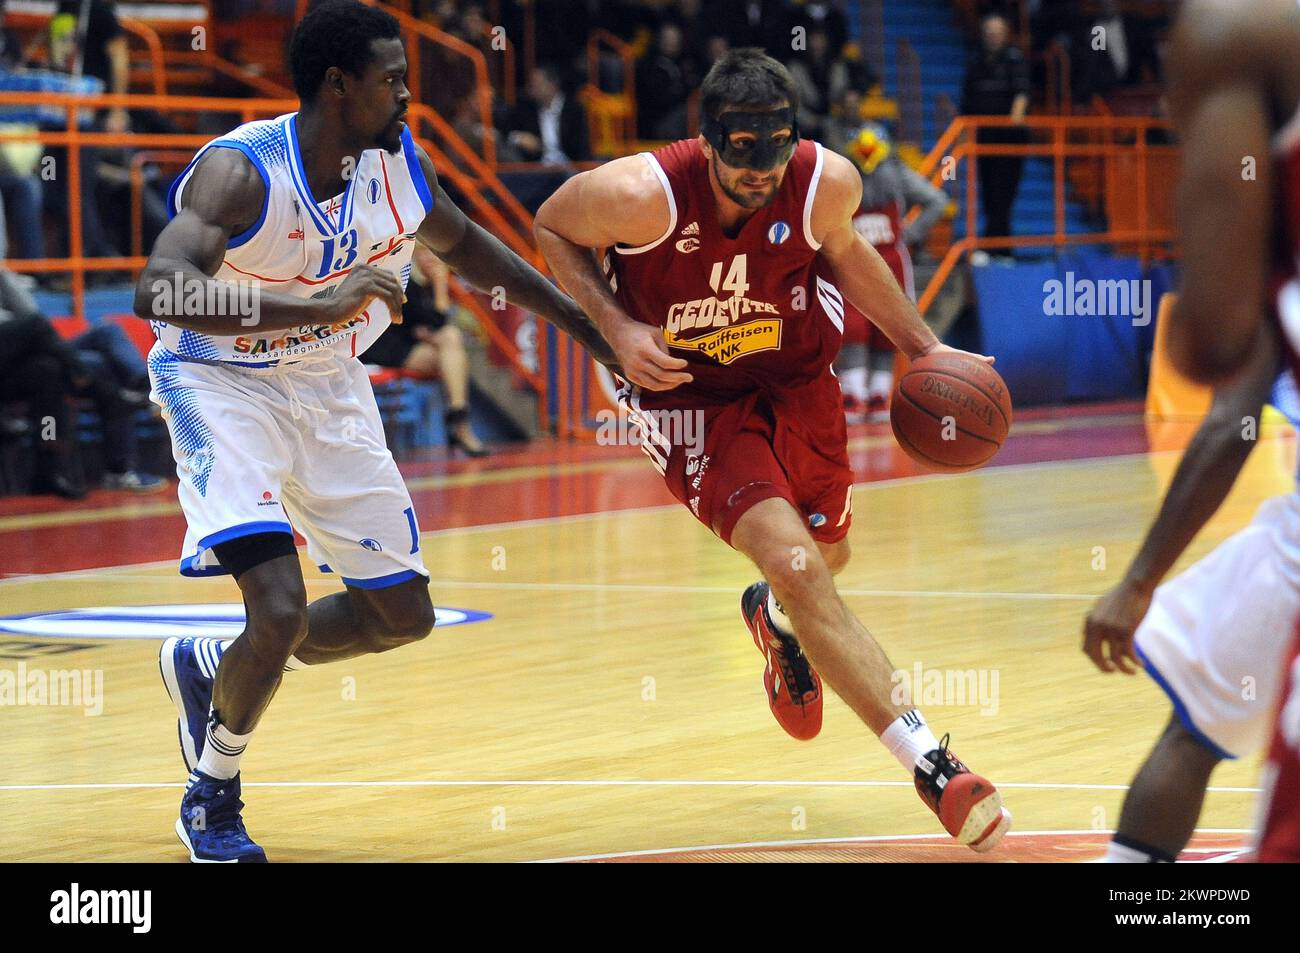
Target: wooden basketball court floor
pixel 611 706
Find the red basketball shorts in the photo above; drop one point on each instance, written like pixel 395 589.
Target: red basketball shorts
pixel 791 446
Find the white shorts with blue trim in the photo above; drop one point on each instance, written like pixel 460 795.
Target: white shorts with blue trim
pixel 1214 636
pixel 295 446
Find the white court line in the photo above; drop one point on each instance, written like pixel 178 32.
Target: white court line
pixel 869 839
pixel 432 535
pixel 586 783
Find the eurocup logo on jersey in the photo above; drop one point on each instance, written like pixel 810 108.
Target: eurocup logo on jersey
pixel 778 233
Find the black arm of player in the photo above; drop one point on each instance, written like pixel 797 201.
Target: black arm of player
pixel 1210 465
pixel 1204 476
pixel 487 264
pixel 222 198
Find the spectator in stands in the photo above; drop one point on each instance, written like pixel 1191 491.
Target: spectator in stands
pixel 66 55
pixel 107 58
pixel 997 84
pixel 38 366
pixel 844 122
pixel 20 189
pixel 429 345
pixel 812 15
pixel 1114 50
pixel 548 126
pixel 821 77
pixel 665 79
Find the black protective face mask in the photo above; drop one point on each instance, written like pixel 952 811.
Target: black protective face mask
pixel 764 154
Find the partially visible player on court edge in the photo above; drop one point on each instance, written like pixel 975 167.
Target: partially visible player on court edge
pixel 273 422
pixel 1235 99
pixel 1212 632
pixel 720 297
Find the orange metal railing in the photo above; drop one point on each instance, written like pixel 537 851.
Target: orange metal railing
pixel 494 206
pixel 1137 182
pixel 157 64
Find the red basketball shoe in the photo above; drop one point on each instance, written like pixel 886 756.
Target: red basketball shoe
pixel 969 806
pixel 794 690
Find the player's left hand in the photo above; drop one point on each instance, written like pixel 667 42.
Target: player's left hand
pixel 1109 628
pixel 938 347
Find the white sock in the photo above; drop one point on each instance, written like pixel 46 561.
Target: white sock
pixel 222 751
pixel 779 619
pixel 908 738
pixel 881 384
pixel 853 382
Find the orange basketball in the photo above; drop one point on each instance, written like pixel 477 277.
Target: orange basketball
pixel 950 412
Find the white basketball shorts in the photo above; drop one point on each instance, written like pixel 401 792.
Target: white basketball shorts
pixel 298 446
pixel 1215 634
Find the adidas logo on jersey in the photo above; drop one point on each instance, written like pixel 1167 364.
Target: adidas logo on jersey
pixel 691 241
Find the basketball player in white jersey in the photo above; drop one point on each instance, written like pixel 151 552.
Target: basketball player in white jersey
pixel 1235 99
pixel 273 422
pixel 1213 637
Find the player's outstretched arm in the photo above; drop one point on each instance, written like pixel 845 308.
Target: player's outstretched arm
pixel 224 197
pixel 864 278
pixel 1204 477
pixel 487 264
pixel 1221 101
pixel 621 202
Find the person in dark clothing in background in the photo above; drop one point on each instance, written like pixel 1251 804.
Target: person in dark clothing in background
pixel 549 126
pixel 997 84
pixel 39 367
pixel 664 81
pixel 431 346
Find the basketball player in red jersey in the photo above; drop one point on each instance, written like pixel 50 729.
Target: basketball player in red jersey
pixel 1235 98
pixel 720 300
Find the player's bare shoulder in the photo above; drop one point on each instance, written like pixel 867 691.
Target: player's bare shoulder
pixel 226 190
pixel 839 192
pixel 622 202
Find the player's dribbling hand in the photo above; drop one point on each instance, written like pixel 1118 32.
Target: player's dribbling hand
pixel 939 348
pixel 362 286
pixel 642 351
pixel 1108 630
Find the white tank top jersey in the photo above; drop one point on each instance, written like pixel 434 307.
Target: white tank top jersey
pixel 306 248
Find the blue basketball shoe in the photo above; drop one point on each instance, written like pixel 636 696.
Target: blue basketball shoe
pixel 189 667
pixel 210 825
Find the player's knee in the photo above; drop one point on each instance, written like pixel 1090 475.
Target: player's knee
pixel 276 626
pixel 836 555
pixel 793 571
pixel 402 625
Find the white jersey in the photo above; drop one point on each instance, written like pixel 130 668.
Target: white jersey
pixel 306 248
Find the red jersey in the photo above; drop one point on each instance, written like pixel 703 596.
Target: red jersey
pixel 1279 840
pixel 882 228
pixel 758 311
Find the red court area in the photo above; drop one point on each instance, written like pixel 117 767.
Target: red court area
pixel 1047 847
